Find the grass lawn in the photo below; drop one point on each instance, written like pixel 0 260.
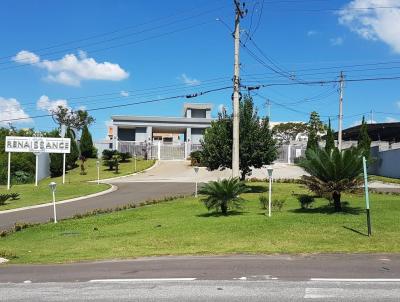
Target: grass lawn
pixel 184 226
pixel 385 179
pixel 75 184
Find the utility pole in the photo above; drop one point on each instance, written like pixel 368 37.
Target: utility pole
pixel 341 87
pixel 372 116
pixel 236 91
pixel 268 103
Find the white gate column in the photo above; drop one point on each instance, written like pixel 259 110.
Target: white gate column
pixel 289 154
pixel 9 171
pixel 159 150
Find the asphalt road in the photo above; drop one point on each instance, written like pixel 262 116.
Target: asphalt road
pixel 127 193
pixel 338 277
pixel 231 291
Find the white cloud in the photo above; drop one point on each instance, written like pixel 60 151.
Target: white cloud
pixel 373 24
pixel 44 103
pixel 188 81
pixel 124 93
pixel 26 57
pixel 390 119
pixel 311 33
pixel 10 109
pixel 336 41
pixel 71 69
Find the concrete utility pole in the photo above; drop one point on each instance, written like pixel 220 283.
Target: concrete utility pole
pixel 236 93
pixel 341 87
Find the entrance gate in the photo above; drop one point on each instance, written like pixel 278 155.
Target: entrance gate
pixel 155 150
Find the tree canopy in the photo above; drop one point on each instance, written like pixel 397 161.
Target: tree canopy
pixel 286 132
pixel 72 119
pixel 364 141
pixel 330 138
pixel 256 144
pixel 315 128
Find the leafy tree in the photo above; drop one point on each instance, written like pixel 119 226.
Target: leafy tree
pixel 364 141
pixel 73 119
pixel 332 173
pixel 86 144
pixel 256 144
pixel 286 132
pixel 315 127
pixel 56 164
pixel 73 156
pixel 223 194
pixel 330 139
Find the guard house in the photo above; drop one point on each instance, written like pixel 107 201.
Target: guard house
pixel 167 130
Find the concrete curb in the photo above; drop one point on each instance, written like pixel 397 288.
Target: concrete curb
pixel 110 190
pixel 124 176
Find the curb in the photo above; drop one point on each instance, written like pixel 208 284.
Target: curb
pixel 109 190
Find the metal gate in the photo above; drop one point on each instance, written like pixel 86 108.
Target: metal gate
pixel 155 150
pixel 172 151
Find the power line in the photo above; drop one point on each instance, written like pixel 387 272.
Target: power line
pixel 187 96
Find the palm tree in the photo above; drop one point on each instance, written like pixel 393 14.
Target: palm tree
pixel 333 172
pixel 223 194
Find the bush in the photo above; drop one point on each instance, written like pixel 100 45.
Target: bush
pixel 277 204
pixel 124 156
pixel 305 201
pixel 195 158
pixel 14 196
pixel 72 157
pixel 263 201
pixel 22 177
pixel 108 154
pixel 4 198
pixel 86 143
pixel 56 164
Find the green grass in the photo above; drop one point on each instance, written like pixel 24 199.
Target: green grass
pixel 76 185
pixel 184 226
pixel 385 179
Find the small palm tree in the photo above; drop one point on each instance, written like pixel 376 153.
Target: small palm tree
pixel 333 172
pixel 223 194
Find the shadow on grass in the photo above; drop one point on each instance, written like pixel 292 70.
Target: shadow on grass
pixel 257 189
pixel 219 214
pixel 329 209
pixel 355 231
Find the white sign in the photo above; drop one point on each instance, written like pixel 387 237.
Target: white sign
pixel 38 144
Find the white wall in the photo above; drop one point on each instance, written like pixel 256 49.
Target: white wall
pixel 44 165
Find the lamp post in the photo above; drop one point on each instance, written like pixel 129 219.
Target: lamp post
pixel 196 170
pixel 53 186
pixel 98 171
pixel 270 170
pixel 134 158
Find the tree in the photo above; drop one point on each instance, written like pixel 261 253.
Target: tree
pixel 73 156
pixel 86 144
pixel 56 164
pixel 72 119
pixel 286 132
pixel 256 144
pixel 364 141
pixel 315 127
pixel 330 139
pixel 223 194
pixel 333 172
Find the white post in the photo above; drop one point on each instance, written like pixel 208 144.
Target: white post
pixel 54 206
pixel 270 196
pixel 63 179
pixel 9 171
pixel 289 154
pixel 186 150
pixel 135 162
pixel 98 174
pixel 196 171
pixel 159 150
pixel 36 169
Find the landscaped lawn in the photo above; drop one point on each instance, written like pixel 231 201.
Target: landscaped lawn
pixel 385 179
pixel 184 226
pixel 75 184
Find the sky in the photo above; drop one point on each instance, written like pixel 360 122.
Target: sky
pixel 95 55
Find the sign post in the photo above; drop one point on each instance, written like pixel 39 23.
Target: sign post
pixel 9 171
pixel 98 171
pixel 196 170
pixel 36 168
pixel 270 170
pixel 64 157
pixel 53 186
pixel 367 195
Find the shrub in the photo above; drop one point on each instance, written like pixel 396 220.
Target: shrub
pixel 108 154
pixel 195 158
pixel 277 204
pixel 305 201
pixel 124 156
pixel 223 194
pixel 7 254
pixel 83 169
pixel 14 196
pixel 22 177
pixel 72 157
pixel 56 164
pixel 263 201
pixel 4 198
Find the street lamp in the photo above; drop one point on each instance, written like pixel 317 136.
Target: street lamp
pixel 270 170
pixel 196 170
pixel 98 171
pixel 53 186
pixel 134 157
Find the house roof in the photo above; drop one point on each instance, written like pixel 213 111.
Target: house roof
pixel 377 132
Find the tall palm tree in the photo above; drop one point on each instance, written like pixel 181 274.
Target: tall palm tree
pixel 333 172
pixel 223 194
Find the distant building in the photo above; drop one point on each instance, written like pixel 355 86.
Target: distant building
pixel 188 128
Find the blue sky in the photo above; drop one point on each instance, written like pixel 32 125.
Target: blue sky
pixel 119 52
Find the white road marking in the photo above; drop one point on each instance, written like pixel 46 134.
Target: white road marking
pixel 27 281
pixel 319 293
pixel 142 280
pixel 354 280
